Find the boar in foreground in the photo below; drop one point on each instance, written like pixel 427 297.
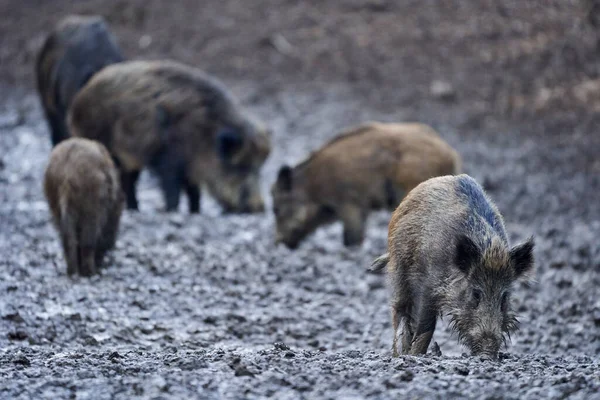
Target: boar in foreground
pixel 181 123
pixel 371 166
pixel 448 254
pixel 78 47
pixel 82 188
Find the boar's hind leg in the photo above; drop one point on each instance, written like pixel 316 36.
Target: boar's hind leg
pixel 88 242
pixel 128 182
pixel 108 237
pixel 426 320
pixel 58 130
pixel 170 172
pixel 401 310
pixel 193 194
pixel 354 219
pixel 69 243
pixel 88 261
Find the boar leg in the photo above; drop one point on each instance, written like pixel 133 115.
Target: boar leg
pixel 401 310
pixel 426 320
pixel 69 242
pixel 193 194
pixel 128 182
pixel 58 130
pixel 354 219
pixel 407 335
pixel 108 237
pixel 88 242
pixel 395 324
pixel 70 250
pixel 88 261
pixel 171 186
pixel 167 164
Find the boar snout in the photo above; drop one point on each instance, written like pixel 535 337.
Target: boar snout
pixel 291 244
pixel 487 346
pixel 246 207
pixel 251 201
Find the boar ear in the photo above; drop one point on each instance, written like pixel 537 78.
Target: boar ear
pixel 467 253
pixel 284 178
pixel 229 142
pixel 522 258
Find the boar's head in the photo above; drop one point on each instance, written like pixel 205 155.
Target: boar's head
pixel 296 215
pixel 235 182
pixel 479 297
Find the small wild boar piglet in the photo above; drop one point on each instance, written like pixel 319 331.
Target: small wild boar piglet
pixel 371 166
pixel 82 187
pixel 182 123
pixel 448 253
pixel 77 48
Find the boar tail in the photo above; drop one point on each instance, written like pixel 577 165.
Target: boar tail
pixel 379 264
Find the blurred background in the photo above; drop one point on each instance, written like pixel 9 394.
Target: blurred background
pixel 520 60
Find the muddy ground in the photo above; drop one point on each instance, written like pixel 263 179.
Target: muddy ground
pixel 208 307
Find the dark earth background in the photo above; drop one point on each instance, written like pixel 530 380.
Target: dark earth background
pixel 207 306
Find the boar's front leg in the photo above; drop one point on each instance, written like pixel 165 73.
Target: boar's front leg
pixel 193 193
pixel 407 335
pixel 58 130
pixel 354 219
pixel 128 182
pixel 170 172
pixel 426 320
pixel 69 242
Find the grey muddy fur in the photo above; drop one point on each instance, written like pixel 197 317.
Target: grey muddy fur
pixel 448 254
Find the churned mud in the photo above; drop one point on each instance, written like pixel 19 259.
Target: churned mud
pixel 207 306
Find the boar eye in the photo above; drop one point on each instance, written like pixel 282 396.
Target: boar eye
pixel 476 296
pixel 276 211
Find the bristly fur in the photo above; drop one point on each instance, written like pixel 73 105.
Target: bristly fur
pixel 448 249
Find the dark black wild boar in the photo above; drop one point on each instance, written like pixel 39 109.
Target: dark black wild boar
pixel 78 47
pixel 182 123
pixel 368 167
pixel 82 188
pixel 448 253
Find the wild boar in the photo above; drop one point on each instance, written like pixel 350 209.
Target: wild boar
pixel 82 188
pixel 180 122
pixel 371 166
pixel 448 254
pixel 78 47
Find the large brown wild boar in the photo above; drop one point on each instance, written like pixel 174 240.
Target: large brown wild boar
pixel 76 49
pixel 82 187
pixel 182 123
pixel 368 167
pixel 448 253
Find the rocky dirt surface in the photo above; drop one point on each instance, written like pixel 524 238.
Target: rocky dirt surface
pixel 207 306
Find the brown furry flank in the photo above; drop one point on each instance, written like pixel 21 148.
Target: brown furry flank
pixel 371 166
pixel 82 188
